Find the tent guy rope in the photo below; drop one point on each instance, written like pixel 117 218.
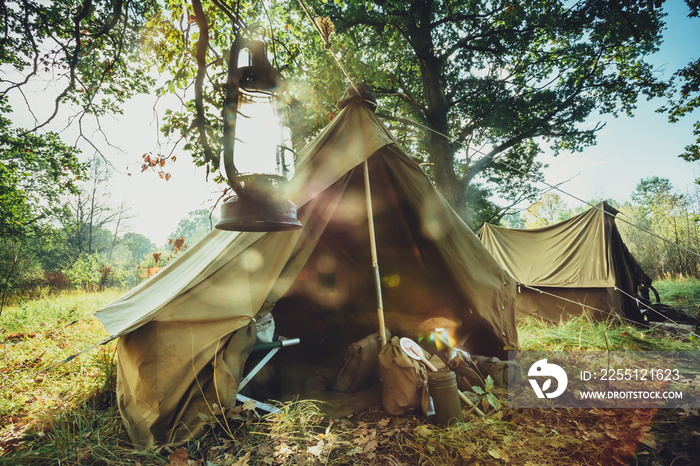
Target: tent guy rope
pixel 630 321
pixel 557 188
pixel 327 44
pixel 368 192
pixel 58 363
pixel 640 303
pixel 578 303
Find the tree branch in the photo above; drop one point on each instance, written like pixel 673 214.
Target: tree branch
pixel 200 120
pixel 72 58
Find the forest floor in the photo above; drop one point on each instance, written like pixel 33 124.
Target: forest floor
pixel 66 413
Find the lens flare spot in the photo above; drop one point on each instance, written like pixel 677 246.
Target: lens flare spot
pixel 252 260
pixel 392 281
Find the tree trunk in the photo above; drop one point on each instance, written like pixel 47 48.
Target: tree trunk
pixel 92 212
pixel 441 151
pixel 116 232
pixel 9 276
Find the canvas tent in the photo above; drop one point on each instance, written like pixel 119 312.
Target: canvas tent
pixel 582 260
pixel 185 334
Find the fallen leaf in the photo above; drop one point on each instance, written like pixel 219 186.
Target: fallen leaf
pixel 178 458
pixel 317 449
pixel 371 446
pixel 243 461
pixel 249 405
pixel 499 454
pixel 354 451
pixel 422 431
pixel 283 451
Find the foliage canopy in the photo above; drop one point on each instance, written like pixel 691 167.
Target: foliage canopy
pixel 476 89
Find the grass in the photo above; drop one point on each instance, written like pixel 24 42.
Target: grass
pixel 683 294
pixel 584 334
pixel 36 334
pixel 67 414
pixel 55 410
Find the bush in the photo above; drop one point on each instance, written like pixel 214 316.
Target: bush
pixel 118 276
pixel 85 272
pixel 56 280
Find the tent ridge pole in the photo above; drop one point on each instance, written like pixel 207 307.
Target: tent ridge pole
pixel 375 262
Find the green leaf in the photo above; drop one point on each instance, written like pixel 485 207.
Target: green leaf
pixel 491 398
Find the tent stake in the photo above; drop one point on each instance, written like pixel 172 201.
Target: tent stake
pixel 375 263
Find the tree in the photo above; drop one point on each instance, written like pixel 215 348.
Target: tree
pixel 91 211
pixel 34 171
pixel 195 226
pixel 503 76
pixel 548 210
pixel 84 47
pixel 657 208
pixel 137 245
pixel 684 95
pixel 513 220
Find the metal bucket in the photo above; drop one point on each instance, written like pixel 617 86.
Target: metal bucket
pixel 442 386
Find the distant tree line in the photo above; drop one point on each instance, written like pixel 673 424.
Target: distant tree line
pixel 659 209
pixel 76 237
pixel 81 240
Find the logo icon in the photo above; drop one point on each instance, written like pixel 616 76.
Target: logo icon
pixel 542 368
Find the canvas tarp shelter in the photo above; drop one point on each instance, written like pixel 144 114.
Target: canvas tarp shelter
pixel 186 332
pixel 582 259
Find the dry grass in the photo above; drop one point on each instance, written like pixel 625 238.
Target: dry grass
pixel 67 414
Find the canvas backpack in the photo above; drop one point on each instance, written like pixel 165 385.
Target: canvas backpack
pixel 472 370
pixel 404 380
pixel 360 369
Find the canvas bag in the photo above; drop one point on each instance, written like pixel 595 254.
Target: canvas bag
pixel 404 386
pixel 360 368
pixel 468 375
pixel 498 370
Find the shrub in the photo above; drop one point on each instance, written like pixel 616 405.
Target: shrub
pixel 56 280
pixel 85 272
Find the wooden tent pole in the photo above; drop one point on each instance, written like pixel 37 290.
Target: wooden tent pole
pixel 375 263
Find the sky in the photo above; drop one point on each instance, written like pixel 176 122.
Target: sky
pixel 646 145
pixel 628 150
